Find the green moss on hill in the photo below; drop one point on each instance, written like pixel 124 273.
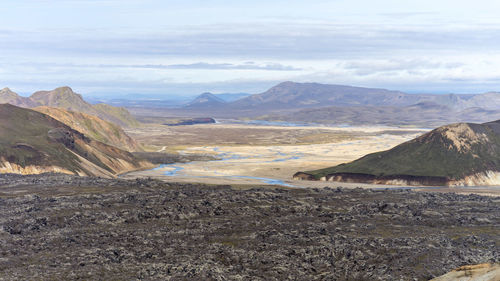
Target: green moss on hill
pixel 453 152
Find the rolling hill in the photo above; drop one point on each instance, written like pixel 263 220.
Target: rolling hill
pixel 93 127
pixel 32 143
pixel 457 154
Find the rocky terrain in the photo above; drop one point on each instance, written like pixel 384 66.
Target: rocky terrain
pixel 61 227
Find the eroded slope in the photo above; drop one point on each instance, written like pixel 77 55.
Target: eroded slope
pixel 32 143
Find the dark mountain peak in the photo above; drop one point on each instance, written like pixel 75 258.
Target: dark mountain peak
pixel 206 100
pixel 208 95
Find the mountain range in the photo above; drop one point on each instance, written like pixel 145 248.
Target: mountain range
pixel 340 104
pixel 32 142
pixel 307 95
pixel 453 155
pixel 64 97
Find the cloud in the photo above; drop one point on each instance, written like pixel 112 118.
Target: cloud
pixel 216 66
pixel 261 41
pixel 203 65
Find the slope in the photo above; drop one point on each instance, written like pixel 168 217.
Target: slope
pixel 457 154
pixel 32 143
pixel 92 127
pixel 64 97
pixel 292 95
pixel 8 96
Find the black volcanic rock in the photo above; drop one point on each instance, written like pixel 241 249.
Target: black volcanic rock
pixel 65 227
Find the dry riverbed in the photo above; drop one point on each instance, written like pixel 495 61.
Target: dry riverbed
pixel 263 154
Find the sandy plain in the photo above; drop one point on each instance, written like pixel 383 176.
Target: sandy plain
pixel 261 154
pixel 270 155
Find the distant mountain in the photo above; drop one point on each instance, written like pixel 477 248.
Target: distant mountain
pixel 291 95
pixel 65 98
pixel 427 114
pixel 303 95
pixel 8 96
pixel 230 97
pixel 93 127
pixel 457 154
pixel 205 100
pixel 32 142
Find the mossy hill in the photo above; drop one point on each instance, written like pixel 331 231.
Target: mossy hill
pixel 64 97
pixel 93 127
pixel 32 142
pixel 457 154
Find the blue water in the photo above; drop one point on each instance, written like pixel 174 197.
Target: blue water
pixel 264 180
pixel 226 156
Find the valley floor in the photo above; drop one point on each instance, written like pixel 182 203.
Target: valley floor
pixel 251 154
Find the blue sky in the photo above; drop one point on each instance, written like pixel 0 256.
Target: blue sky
pixel 174 48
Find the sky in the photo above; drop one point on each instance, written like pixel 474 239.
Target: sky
pixel 171 48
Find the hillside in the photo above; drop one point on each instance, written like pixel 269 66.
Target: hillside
pixel 292 95
pixel 65 98
pixel 229 97
pixel 92 127
pixel 303 95
pixel 457 154
pixel 425 114
pixel 205 100
pixel 117 115
pixel 33 143
pixel 8 96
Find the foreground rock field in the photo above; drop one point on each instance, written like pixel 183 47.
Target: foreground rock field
pixel 57 227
